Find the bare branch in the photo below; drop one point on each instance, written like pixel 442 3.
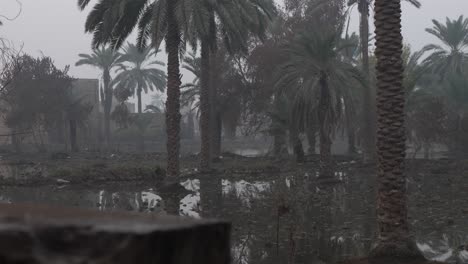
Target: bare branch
pixel 20 5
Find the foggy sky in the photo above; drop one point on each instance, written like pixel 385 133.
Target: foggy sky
pixel 56 29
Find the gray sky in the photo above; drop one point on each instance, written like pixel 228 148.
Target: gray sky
pixel 56 28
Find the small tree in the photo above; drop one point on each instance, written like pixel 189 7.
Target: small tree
pixel 104 59
pixel 138 74
pixel 317 79
pixel 38 98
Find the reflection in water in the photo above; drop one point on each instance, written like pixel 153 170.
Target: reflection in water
pixel 190 204
pixel 250 152
pixel 289 219
pixel 447 248
pixel 241 251
pixel 244 190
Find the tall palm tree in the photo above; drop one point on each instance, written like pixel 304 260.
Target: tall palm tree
pixel 368 105
pixel 452 57
pixel 77 112
pixel 234 20
pixel 394 239
pixel 138 74
pixel 105 59
pixel 319 78
pixel 113 21
pixel 351 53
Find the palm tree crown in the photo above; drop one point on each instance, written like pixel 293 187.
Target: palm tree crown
pixel 453 55
pixel 110 25
pixel 104 58
pixel 415 3
pixel 137 73
pixel 315 55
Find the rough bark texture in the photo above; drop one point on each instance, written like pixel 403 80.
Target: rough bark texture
pixel 205 111
pixel 173 115
pixel 368 113
pixel 215 116
pixel 394 239
pixel 217 131
pixel 38 235
pixel 326 170
pixel 107 105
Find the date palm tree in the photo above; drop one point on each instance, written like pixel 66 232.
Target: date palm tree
pixel 234 20
pixel 319 79
pixel 105 59
pixel 368 115
pixel 137 73
pixel 452 57
pixel 113 21
pixel 394 240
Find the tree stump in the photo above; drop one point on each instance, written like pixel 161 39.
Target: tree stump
pixel 39 234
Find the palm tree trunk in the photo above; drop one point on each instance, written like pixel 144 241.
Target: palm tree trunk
pixel 279 144
pixel 311 133
pixel 394 239
pixel 15 140
pixel 216 124
pixel 140 108
pixel 215 116
pixel 326 169
pixel 73 140
pixel 229 129
pixel 351 140
pixel 216 133
pixel 190 125
pixel 107 105
pixel 205 111
pixel 173 115
pixel 296 143
pixel 368 105
pixel 141 139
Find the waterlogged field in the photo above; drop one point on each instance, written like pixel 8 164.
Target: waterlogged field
pixel 280 212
